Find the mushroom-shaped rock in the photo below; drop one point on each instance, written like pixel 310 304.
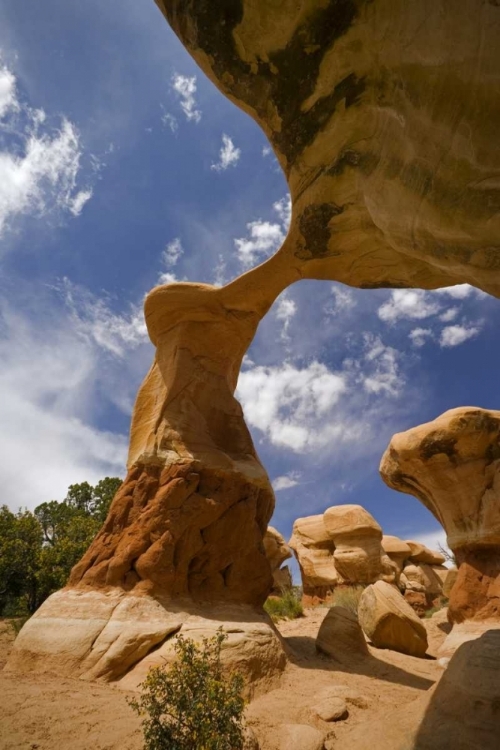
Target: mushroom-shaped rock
pixel 384 119
pixel 357 538
pixel 422 554
pixel 314 550
pixel 453 466
pixel 389 621
pixel 424 575
pixel 340 635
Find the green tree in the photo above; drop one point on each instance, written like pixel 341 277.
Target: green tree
pixel 193 703
pixel 20 547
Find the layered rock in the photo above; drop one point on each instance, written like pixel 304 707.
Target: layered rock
pixel 184 534
pixel 277 551
pixel 389 621
pixel 384 119
pixel 453 466
pixel 342 547
pixel 314 550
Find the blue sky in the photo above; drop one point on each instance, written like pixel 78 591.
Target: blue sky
pixel 121 165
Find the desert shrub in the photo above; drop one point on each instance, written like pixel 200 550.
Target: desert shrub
pixel 438 606
pixel 347 597
pixel 192 704
pixel 288 606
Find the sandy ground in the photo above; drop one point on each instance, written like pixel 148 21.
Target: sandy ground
pixel 388 689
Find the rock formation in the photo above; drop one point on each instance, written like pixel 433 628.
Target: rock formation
pixel 184 535
pixel 384 119
pixel 340 635
pixel 277 551
pixel 389 622
pixel 314 550
pixel 453 466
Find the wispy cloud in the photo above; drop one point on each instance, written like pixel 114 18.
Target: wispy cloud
pixel 286 481
pixel 185 89
pixel 38 169
pixel 264 237
pixel 419 336
pixel 407 303
pixel 229 155
pixel 455 335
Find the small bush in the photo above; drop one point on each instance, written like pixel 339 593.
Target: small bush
pixel 438 606
pixel 285 607
pixel 192 703
pixel 348 597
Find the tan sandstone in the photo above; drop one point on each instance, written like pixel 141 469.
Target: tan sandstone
pixel 277 551
pixel 340 635
pixel 389 622
pixel 453 466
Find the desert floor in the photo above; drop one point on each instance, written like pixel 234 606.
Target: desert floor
pixel 386 695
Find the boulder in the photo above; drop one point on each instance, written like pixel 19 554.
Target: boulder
pixel 357 539
pixel 389 622
pixel 452 465
pixel 449 581
pixel 426 577
pixel 340 635
pixel 464 708
pixel 383 117
pixel 331 709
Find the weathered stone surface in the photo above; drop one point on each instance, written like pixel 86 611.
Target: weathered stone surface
pixel 396 549
pixel 426 577
pixel 453 466
pixel 340 635
pixel 314 550
pixel 464 709
pixel 449 581
pixel 277 551
pixel 187 526
pixel 357 539
pixel 389 622
pixel 384 119
pixel 299 737
pixel 422 554
pixel 118 636
pixel 331 709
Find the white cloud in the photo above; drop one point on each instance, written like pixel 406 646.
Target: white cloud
pixel 449 315
pixel 343 300
pixel 93 320
pixel 47 382
pixel 283 208
pixel 229 155
pixel 8 97
pixel 286 308
pixel 455 335
pixel 459 291
pixel 286 481
pixel 419 336
pixel 385 376
pixel 185 88
pixel 407 303
pixel 172 252
pixel 289 404
pixel 264 239
pixel 170 122
pixel 266 150
pixel 39 171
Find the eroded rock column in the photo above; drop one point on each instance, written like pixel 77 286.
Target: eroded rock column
pixel 453 466
pixel 184 535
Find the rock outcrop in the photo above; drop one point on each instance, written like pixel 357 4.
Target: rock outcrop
pixel 453 466
pixel 277 551
pixel 384 119
pixel 314 550
pixel 389 621
pixel 184 534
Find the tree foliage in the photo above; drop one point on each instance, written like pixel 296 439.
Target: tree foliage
pixel 38 550
pixel 193 703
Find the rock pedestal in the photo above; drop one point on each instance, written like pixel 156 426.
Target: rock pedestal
pixel 453 466
pixel 184 535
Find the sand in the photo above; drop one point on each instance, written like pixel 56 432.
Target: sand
pixel 388 692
